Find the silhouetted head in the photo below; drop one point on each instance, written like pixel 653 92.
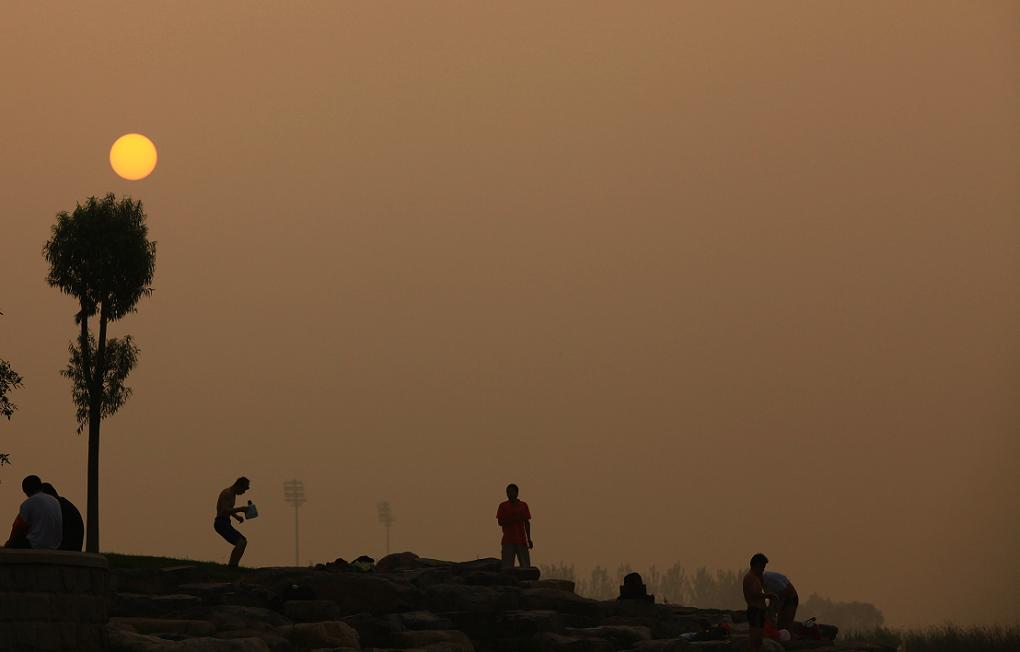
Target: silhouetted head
pixel 512 491
pixel 31 485
pixel 241 485
pixel 758 562
pixel 49 490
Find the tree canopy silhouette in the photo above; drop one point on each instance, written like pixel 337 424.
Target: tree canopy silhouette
pixel 9 380
pixel 101 255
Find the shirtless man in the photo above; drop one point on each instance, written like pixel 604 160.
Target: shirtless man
pixel 755 596
pixel 224 511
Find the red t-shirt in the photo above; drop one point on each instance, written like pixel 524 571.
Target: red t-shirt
pixel 512 517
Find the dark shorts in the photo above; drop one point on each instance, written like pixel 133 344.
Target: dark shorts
pixel 755 617
pixel 226 530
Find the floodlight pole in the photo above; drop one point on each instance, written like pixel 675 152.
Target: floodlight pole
pixel 294 493
pixel 386 518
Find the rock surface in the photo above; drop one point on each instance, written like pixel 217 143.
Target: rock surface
pixel 407 604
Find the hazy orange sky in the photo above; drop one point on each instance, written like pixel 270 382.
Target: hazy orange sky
pixel 704 279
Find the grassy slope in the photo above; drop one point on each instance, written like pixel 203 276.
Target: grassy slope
pixel 945 638
pixel 213 570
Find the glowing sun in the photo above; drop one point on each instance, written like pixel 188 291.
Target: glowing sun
pixel 133 156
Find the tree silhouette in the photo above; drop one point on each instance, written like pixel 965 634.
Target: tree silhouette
pixel 9 379
pixel 101 255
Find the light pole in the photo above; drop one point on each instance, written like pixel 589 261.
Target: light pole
pixel 386 518
pixel 294 493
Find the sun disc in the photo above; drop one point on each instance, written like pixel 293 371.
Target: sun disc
pixel 133 157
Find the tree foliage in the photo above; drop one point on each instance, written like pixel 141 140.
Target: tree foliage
pixel 121 357
pixel 101 255
pixel 9 380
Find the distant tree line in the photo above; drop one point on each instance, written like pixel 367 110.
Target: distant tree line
pixel 709 589
pixel 856 616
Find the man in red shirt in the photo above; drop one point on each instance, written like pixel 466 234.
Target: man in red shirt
pixel 515 518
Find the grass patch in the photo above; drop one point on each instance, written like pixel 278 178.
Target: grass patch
pixel 211 570
pixel 944 638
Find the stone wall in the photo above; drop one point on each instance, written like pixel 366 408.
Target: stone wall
pixel 53 600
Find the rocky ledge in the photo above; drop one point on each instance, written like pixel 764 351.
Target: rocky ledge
pixel 406 603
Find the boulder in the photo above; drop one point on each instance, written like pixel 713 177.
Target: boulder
pixel 461 597
pixel 561 601
pixel 435 640
pixel 326 633
pixel 530 574
pixel 311 611
pixel 424 620
pixel 144 604
pixel 486 564
pixel 273 641
pixel 560 585
pixel 352 592
pixel 667 626
pixel 121 640
pixel 208 592
pixel 331 633
pixel 515 624
pixel 164 626
pixel 138 580
pixel 478 625
pixel 550 642
pixel 485 578
pixel 662 645
pixel 398 561
pixel 234 617
pixel 623 637
pixel 375 631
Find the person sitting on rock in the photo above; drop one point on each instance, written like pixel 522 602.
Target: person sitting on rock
pixel 224 511
pixel 788 600
pixel 515 518
pixel 73 527
pixel 39 525
pixel 755 596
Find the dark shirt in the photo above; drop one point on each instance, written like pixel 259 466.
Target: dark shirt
pixel 74 527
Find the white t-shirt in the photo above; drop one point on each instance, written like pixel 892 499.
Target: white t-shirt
pixel 775 582
pixel 45 525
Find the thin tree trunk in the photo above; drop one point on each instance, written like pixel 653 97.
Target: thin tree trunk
pixel 95 419
pixel 92 529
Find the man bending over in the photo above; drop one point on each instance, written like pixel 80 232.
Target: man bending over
pixel 788 599
pixel 225 510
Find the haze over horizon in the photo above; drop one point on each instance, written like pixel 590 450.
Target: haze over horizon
pixel 703 280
